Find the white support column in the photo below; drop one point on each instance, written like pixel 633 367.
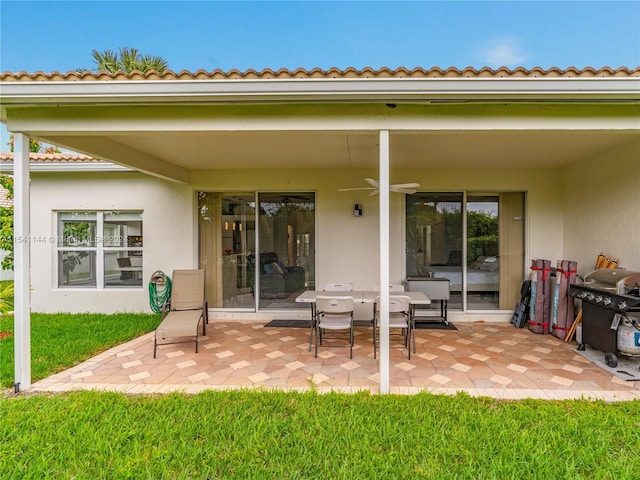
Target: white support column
pixel 384 261
pixel 21 260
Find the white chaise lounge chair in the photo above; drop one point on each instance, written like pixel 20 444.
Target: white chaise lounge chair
pixel 186 309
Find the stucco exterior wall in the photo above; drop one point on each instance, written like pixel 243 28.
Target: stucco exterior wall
pixel 602 208
pixel 168 228
pixel 346 246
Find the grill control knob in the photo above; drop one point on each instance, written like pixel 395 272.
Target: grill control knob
pixel 622 305
pixel 606 301
pixel 590 296
pixel 581 295
pixel 598 298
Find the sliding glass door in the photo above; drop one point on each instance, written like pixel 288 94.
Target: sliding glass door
pixel 227 240
pixel 434 239
pixel 480 252
pixel 231 232
pixel 483 259
pixel 287 245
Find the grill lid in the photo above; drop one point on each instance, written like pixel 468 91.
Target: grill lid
pixel 610 278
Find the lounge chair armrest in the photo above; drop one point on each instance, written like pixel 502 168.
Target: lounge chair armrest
pixel 166 308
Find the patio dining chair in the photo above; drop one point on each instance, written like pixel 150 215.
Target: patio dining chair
pixel 392 288
pixel 334 313
pixel 184 312
pixel 338 287
pixel 399 318
pixel 329 287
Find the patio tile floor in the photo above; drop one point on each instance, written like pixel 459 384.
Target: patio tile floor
pixel 481 359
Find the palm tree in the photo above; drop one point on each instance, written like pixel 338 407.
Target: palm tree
pixel 127 60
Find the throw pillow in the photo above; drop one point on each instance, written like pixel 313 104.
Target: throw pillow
pixel 277 268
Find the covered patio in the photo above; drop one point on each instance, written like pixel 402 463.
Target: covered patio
pixel 480 359
pixel 537 133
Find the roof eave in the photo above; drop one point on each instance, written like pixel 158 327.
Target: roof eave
pixel 309 90
pixel 7 167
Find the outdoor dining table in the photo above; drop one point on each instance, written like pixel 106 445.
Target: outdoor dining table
pixel 359 296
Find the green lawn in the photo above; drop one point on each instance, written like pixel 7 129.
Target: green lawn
pixel 61 340
pixel 306 435
pixel 260 434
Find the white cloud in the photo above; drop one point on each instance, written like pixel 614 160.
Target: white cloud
pixel 504 51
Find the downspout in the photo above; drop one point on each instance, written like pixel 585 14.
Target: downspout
pixel 384 261
pixel 22 251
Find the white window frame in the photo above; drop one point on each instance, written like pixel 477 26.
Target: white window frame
pixel 99 249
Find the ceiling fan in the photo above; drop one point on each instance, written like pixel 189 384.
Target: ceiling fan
pixel 407 188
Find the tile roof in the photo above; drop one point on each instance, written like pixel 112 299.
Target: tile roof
pixel 52 158
pixel 316 73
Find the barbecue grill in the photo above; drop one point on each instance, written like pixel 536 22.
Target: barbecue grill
pixel 607 295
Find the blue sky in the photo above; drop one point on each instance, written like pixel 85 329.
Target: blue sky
pixel 192 35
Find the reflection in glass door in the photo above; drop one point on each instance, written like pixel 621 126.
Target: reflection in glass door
pixel 485 264
pixel 287 247
pixel 483 260
pixel 238 242
pixel 227 240
pixel 235 275
pixel 434 239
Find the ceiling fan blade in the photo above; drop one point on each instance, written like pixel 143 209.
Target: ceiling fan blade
pixel 402 190
pixel 375 186
pixel 372 182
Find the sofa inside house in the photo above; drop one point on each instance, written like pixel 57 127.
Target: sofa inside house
pixel 277 280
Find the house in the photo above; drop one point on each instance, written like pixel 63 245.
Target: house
pixel 259 178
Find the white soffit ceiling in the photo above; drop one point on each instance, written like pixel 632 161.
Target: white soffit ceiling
pixel 490 149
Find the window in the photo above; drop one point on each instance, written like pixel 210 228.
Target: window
pixel 99 249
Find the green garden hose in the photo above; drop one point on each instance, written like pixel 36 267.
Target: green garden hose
pixel 159 290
